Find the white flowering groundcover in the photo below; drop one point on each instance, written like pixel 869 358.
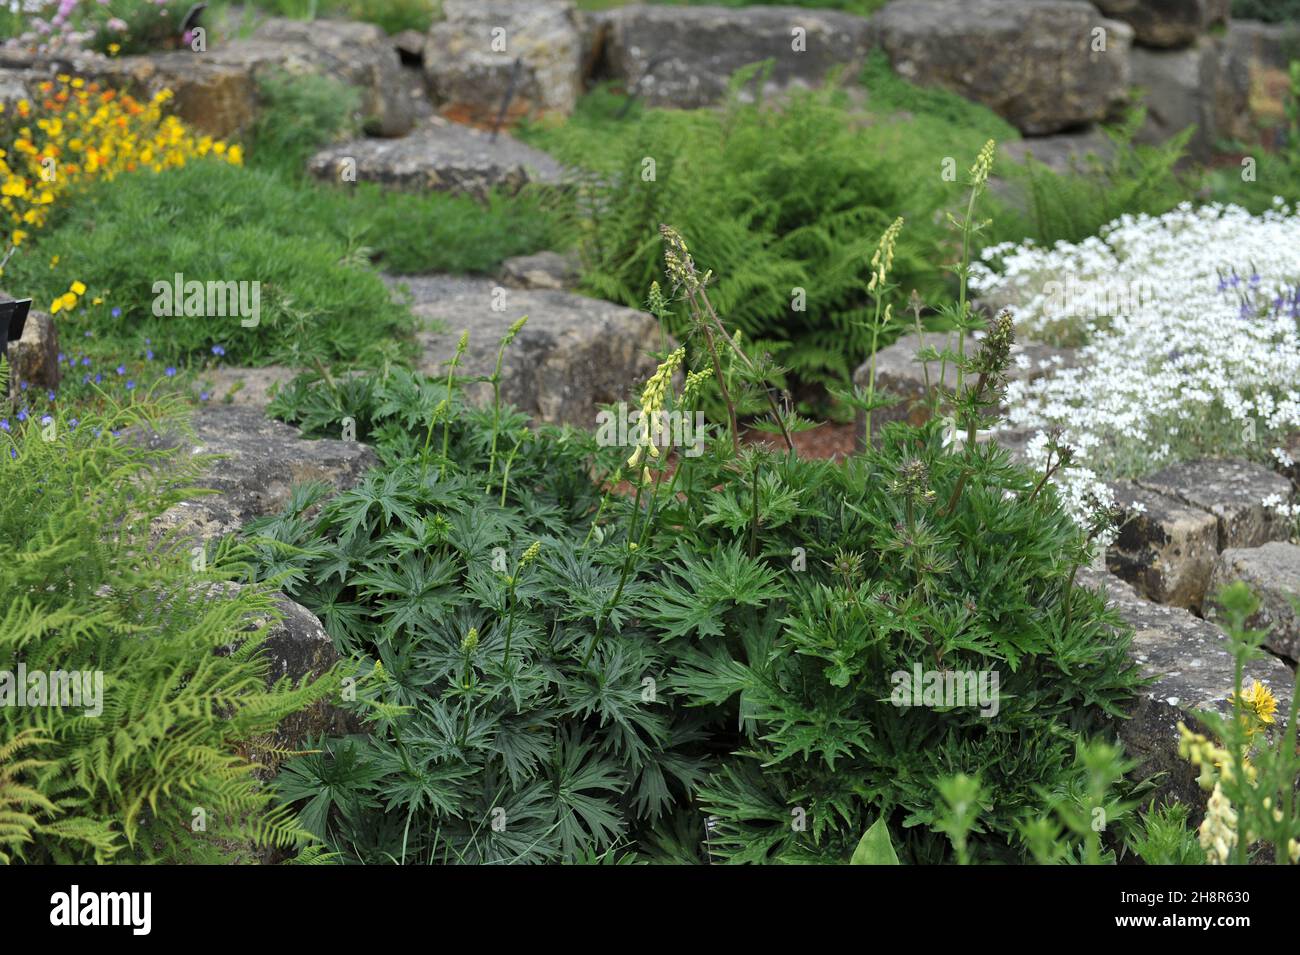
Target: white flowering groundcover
pixel 1188 332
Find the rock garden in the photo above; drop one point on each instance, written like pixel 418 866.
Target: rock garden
pixel 537 431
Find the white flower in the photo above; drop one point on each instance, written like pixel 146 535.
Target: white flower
pixel 1172 364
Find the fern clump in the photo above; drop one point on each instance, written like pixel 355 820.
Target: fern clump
pixel 782 201
pixel 151 762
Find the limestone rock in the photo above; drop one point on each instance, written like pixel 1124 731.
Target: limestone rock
pixel 442 157
pixel 34 358
pixel 245 387
pixel 1273 574
pixel 217 90
pixel 1192 671
pixel 1190 87
pixel 684 56
pixel 1167 22
pixel 470 59
pixel 1232 491
pixel 1063 152
pixel 1165 549
pixel 542 270
pixel 573 355
pixel 1034 63
pixel 260 461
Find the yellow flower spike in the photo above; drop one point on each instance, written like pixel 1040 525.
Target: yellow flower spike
pixel 979 172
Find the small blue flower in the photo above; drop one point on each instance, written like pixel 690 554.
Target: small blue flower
pixel 4 424
pixel 98 378
pixel 85 379
pixel 121 369
pixel 22 386
pixel 22 415
pixel 130 386
pixel 86 361
pixel 89 333
pixel 148 354
pixel 203 396
pixel 13 453
pixel 61 357
pixel 46 419
pixel 170 372
pixel 116 313
pixel 218 350
pixel 49 395
pixel 73 422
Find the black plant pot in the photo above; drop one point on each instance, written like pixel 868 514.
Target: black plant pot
pixel 13 316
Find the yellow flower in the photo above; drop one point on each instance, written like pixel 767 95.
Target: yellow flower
pixel 78 287
pixel 1259 701
pixel 653 396
pixel 69 301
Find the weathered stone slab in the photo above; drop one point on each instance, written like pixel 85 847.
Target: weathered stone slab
pixel 1063 152
pixel 1035 64
pixel 260 461
pixel 1190 87
pixel 573 355
pixel 684 57
pixel 542 270
pixel 439 156
pixel 245 387
pixel 217 90
pixel 34 358
pixel 1167 22
pixel 1192 671
pixel 470 59
pixel 1165 549
pixel 1273 573
pixel 1233 491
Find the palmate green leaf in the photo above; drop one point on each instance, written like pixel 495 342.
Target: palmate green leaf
pixel 875 848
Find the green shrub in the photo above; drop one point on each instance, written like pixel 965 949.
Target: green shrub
pixel 1270 11
pixel 82 589
pixel 297 116
pixel 463 580
pixel 213 222
pixel 512 612
pixel 393 16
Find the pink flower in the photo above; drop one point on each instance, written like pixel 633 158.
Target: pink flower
pixel 117 24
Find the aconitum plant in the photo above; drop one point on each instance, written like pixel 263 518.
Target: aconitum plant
pixel 1188 332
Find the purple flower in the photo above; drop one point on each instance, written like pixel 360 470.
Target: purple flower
pixel 148 354
pixel 203 396
pixel 98 378
pixel 22 386
pixel 49 395
pixel 13 453
pixel 4 424
pixel 22 415
pixel 218 350
pixel 86 360
pixel 170 372
pixel 130 386
pixel 121 369
pixel 46 419
pixel 116 313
